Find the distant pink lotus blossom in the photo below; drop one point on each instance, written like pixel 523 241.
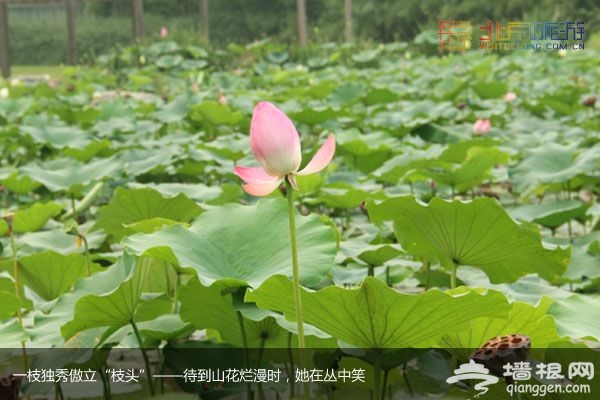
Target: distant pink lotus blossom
pixel 164 32
pixel 222 99
pixel 275 144
pixel 510 96
pixel 481 127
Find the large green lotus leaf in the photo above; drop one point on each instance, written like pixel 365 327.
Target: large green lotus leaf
pixel 478 233
pixel 357 144
pixel 11 334
pixel 372 254
pixel 457 152
pixel 471 171
pixel 466 163
pixel 584 263
pixel 175 111
pixel 150 225
pixel 19 184
pixel 529 289
pixel 551 215
pixel 129 206
pixel 367 56
pixel 88 152
pixel 215 113
pixel 116 308
pixel 13 109
pixel 380 95
pixel 231 147
pixel 165 327
pixel 140 161
pixel 376 316
pixel 365 152
pixel 490 89
pixel 10 304
pixel 58 241
pixel 411 114
pixel 50 274
pixel 196 191
pixel 523 318
pixel 576 316
pixel 449 87
pixel 244 244
pixel 163 47
pixel 342 195
pixel 168 61
pixel 347 93
pixel 436 133
pixel 552 163
pixel 46 330
pixel 212 307
pixel 403 165
pixel 53 132
pixel 313 115
pixel 113 127
pixel 35 217
pixel 68 174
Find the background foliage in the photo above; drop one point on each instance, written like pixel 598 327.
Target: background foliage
pixel 38 32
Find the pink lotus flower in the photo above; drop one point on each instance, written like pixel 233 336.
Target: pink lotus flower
pixel 482 126
pixel 164 32
pixel 510 96
pixel 275 144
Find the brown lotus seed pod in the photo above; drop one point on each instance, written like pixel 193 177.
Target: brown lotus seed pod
pixel 590 101
pixel 9 387
pixel 501 350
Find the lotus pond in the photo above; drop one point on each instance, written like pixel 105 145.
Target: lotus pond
pixel 124 226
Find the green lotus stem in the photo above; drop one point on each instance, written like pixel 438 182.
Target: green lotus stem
pixel 261 393
pixel 570 229
pixel 370 270
pixel 427 270
pixel 13 246
pixel 406 380
pixel 385 383
pixel 296 278
pixel 85 203
pixel 145 356
pixel 161 367
pixel 88 262
pixel 291 369
pixel 249 394
pixel 175 291
pixel 58 393
pixel 453 276
pixel 387 276
pixel 73 210
pixel 377 375
pixel 105 383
